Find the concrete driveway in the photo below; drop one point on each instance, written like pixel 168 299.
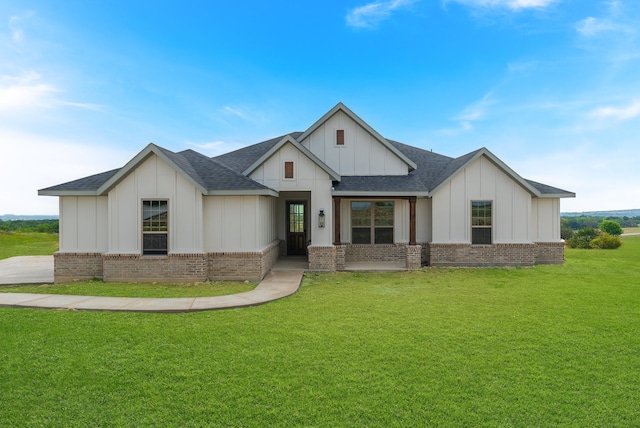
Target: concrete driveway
pixel 26 270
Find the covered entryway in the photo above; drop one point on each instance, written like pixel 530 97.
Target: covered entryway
pixel 296 228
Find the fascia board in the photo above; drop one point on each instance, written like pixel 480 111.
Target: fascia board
pixel 136 161
pixel 363 124
pixel 557 195
pixel 497 162
pixel 374 194
pixel 289 139
pixel 259 192
pixel 67 193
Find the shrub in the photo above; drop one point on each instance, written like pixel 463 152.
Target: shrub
pixel 606 241
pixel 611 227
pixel 582 238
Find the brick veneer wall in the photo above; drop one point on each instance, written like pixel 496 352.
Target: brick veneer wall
pixel 482 255
pixel 550 253
pixel 375 253
pixel 69 267
pixel 414 257
pixel 237 266
pixel 170 268
pixel 322 258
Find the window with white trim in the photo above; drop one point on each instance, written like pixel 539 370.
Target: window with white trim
pixel 481 222
pixel 372 222
pixel 155 228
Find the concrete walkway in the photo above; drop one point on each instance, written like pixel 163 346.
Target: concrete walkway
pixel 276 285
pixel 26 270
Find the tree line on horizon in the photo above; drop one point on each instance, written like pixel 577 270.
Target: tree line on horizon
pixel 30 226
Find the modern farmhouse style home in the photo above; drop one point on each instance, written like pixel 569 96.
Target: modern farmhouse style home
pixel 337 193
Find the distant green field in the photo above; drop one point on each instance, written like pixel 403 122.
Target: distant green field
pixel 540 346
pixel 27 244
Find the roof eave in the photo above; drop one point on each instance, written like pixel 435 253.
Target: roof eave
pixel 46 192
pixel 246 192
pixel 374 194
pixel 557 195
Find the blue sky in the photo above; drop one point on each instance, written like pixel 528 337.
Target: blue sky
pixel 551 87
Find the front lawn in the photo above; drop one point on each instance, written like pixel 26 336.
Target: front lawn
pixel 541 346
pixel 27 244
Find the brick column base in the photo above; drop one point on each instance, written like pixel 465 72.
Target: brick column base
pixel 324 258
pixel 414 257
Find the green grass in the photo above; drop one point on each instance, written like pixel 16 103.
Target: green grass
pixel 27 244
pixel 631 230
pixel 541 346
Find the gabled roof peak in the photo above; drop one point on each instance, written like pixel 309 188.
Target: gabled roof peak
pixel 341 107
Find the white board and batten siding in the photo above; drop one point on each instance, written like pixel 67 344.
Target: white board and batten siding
pixel 482 181
pixel 307 177
pixel 239 223
pixel 361 154
pixel 545 221
pixel 83 224
pixel 154 179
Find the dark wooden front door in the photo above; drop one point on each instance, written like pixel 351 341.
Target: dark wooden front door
pixel 296 228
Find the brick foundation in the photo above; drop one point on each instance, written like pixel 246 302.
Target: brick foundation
pixel 425 254
pixel 550 253
pixel 70 267
pixel 239 266
pixel 375 253
pixel 170 268
pixel 323 258
pixel 482 255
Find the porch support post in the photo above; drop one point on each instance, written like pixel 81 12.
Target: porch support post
pixel 412 221
pixel 336 225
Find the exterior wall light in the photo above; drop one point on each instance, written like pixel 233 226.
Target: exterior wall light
pixel 321 219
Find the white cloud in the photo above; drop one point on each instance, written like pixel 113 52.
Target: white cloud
pixel 476 110
pixel 591 26
pixel 371 14
pixel 235 112
pixel 28 91
pixel 618 113
pixel 514 5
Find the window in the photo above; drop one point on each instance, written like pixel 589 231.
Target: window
pixel 371 222
pixel 481 222
pixel 288 170
pixel 154 227
pixel 339 137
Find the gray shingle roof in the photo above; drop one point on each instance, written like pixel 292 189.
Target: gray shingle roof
pixel 241 159
pixel 91 182
pixel 224 173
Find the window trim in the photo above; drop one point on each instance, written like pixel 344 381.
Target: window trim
pixel 490 226
pixel 142 248
pixel 372 227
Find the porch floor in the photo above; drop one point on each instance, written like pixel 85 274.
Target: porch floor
pixel 291 263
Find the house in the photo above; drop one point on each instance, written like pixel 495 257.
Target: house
pixel 338 193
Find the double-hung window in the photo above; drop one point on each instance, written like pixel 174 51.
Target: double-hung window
pixel 371 222
pixel 481 222
pixel 155 228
